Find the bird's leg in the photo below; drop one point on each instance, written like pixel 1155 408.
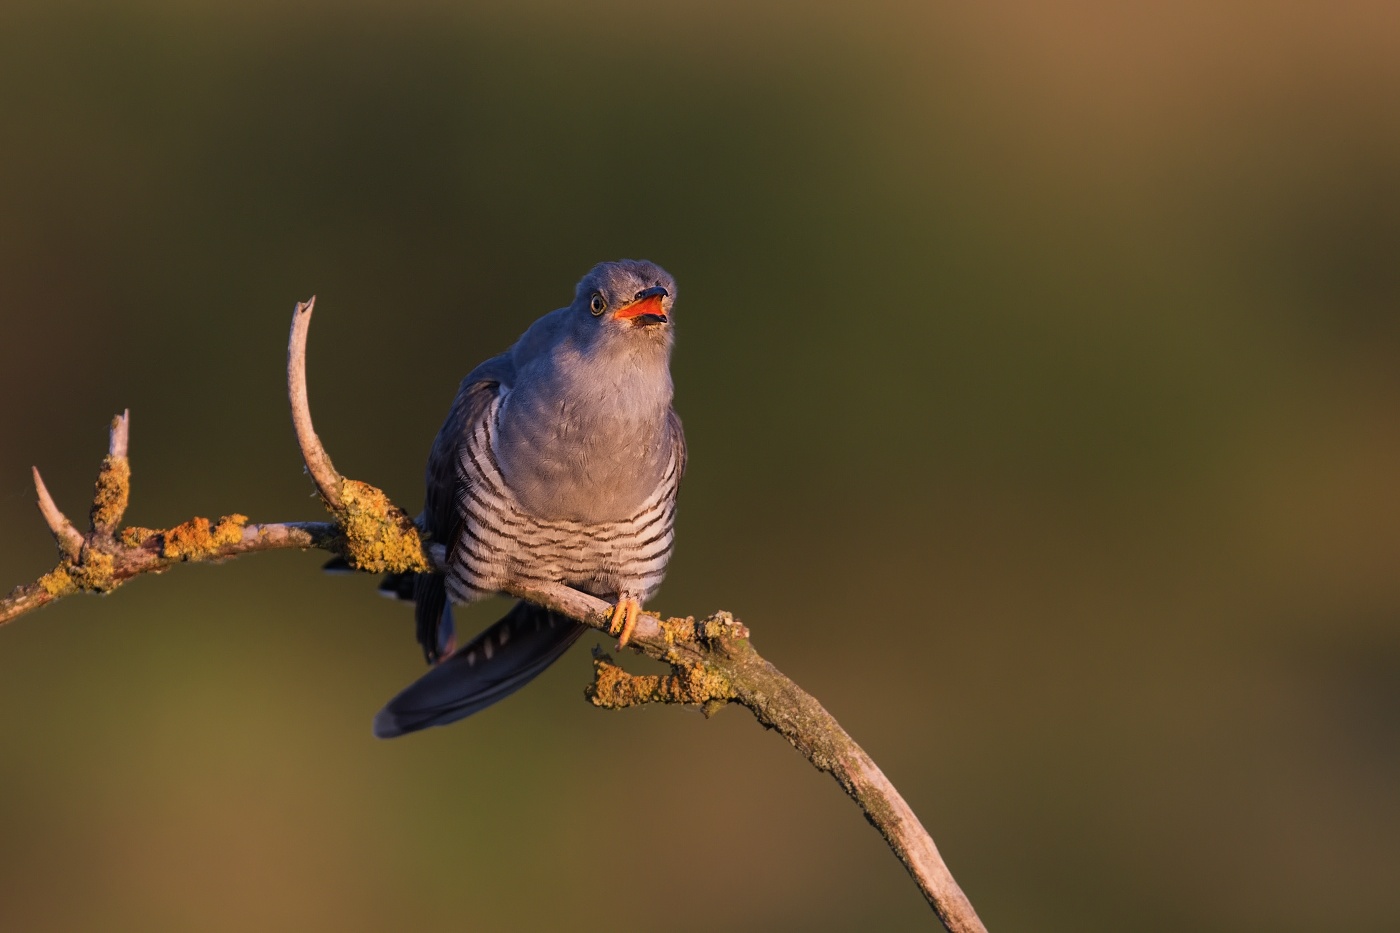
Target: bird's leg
pixel 624 619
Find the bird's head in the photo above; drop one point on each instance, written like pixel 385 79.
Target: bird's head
pixel 629 300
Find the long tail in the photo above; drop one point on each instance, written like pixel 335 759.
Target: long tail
pixel 490 667
pixel 432 611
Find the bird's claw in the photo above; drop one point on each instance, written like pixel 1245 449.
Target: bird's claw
pixel 624 620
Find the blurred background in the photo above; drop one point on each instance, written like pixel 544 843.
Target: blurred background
pixel 1039 368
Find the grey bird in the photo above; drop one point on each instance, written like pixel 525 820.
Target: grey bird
pixel 559 462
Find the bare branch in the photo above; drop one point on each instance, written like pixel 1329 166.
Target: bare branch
pixel 25 598
pixel 70 540
pixel 318 462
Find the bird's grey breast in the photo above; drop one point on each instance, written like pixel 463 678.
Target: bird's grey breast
pixel 585 443
pixel 504 541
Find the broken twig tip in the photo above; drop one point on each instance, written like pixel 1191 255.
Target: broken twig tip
pixel 121 433
pixel 70 541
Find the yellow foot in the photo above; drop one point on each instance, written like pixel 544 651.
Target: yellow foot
pixel 624 619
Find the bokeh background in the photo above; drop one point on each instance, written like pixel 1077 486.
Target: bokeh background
pixel 1041 371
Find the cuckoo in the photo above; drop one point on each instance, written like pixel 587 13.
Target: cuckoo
pixel 559 462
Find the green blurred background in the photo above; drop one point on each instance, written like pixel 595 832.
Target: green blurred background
pixel 1041 372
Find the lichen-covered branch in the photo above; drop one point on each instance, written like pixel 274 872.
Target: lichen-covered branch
pixel 113 489
pixel 102 566
pixel 368 530
pixel 378 535
pixel 712 661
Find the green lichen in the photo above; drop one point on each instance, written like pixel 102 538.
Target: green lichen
pixel 379 536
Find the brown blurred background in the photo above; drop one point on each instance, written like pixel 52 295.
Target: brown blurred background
pixel 1041 371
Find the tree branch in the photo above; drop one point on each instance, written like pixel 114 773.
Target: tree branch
pixel 68 538
pixel 113 489
pixel 712 661
pixel 318 462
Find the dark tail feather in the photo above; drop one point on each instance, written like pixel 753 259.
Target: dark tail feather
pixel 432 612
pixel 393 585
pixel 433 615
pixel 490 667
pixel 398 585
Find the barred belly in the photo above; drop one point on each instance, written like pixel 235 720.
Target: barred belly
pixel 501 543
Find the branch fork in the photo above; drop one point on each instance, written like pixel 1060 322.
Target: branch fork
pixel 86 561
pixel 379 537
pixel 712 661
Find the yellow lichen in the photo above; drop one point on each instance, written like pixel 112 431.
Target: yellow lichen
pixel 614 688
pixel 113 491
pixel 688 684
pixel 722 626
pixel 379 537
pixel 197 539
pixel 94 572
pixel 57 582
pixel 704 684
pixel 720 631
pixel 675 629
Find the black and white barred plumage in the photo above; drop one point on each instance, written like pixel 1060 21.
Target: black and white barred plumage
pixel 559 462
pixel 501 541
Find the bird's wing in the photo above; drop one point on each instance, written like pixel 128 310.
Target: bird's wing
pixel 441 518
pixel 678 440
pixel 491 666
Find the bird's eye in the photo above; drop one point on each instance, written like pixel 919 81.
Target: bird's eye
pixel 598 305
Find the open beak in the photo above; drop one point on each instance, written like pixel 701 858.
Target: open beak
pixel 646 308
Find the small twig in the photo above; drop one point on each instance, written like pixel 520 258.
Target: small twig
pixel 69 539
pixel 369 531
pixel 113 489
pixel 318 462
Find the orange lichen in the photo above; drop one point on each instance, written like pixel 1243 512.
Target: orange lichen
pixel 197 539
pixel 112 492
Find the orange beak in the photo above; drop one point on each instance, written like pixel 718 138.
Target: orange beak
pixel 649 305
